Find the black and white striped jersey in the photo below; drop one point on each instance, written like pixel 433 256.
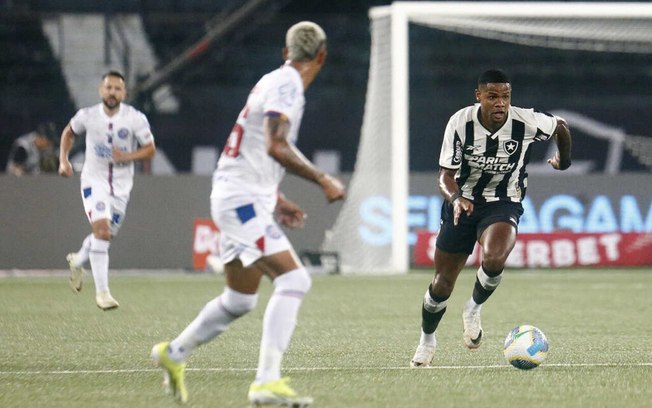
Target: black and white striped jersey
pixel 491 166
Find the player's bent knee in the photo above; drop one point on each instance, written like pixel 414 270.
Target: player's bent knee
pixel 493 261
pixel 443 285
pixel 494 265
pixel 237 303
pixel 297 280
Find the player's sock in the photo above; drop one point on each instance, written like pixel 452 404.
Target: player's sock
pixel 485 284
pixel 427 338
pixel 211 321
pixel 99 257
pixel 81 256
pixel 432 310
pixel 279 322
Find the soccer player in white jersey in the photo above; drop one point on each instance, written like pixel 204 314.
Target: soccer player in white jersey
pixel 116 135
pixel 244 203
pixel 482 177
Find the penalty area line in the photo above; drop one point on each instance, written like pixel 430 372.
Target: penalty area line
pixel 308 369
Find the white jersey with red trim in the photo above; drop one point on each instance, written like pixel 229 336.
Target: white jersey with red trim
pixel 125 130
pixel 245 170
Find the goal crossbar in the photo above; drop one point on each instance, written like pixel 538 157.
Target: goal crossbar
pixel 414 9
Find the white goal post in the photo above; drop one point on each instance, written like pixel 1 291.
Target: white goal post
pixel 381 174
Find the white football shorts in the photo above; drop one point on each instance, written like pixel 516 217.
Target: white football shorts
pixel 100 204
pixel 247 232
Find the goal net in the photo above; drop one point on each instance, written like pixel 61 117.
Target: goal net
pixel 371 231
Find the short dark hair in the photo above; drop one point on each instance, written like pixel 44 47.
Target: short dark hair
pixel 493 76
pixel 48 130
pixel 116 74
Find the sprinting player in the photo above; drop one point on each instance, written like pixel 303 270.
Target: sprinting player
pixel 116 135
pixel 482 177
pixel 244 202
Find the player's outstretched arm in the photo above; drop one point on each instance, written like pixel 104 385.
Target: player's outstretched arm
pixel 562 137
pixel 278 147
pixel 67 140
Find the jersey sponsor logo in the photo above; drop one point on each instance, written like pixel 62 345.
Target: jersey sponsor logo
pixel 123 133
pixel 103 151
pixel 490 165
pixel 510 146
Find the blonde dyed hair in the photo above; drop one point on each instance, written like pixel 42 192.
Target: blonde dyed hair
pixel 304 40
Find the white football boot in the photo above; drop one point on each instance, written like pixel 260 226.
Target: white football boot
pixel 472 326
pixel 424 354
pixel 76 273
pixel 105 301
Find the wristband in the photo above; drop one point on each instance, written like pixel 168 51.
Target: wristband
pixel 455 196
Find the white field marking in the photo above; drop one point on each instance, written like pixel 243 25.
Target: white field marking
pixel 473 367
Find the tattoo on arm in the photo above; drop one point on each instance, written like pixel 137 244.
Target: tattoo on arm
pixel 284 152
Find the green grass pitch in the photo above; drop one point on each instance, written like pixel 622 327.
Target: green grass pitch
pixel 351 348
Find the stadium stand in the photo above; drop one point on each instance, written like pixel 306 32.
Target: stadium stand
pixel 213 88
pixel 33 88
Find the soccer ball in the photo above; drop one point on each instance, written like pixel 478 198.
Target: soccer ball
pixel 525 347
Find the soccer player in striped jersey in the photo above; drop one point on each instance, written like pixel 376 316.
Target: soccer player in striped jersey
pixel 247 207
pixel 483 179
pixel 116 135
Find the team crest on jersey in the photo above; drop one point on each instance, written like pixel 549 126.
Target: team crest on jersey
pixel 123 133
pixel 100 206
pixel 273 232
pixel 510 146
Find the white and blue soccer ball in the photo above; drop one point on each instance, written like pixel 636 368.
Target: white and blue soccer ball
pixel 526 347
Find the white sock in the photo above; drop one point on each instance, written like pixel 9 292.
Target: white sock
pixel 279 322
pixel 470 304
pixel 211 321
pixel 428 338
pixel 81 257
pixel 99 257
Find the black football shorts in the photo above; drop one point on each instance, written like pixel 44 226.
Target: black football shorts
pixel 463 236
